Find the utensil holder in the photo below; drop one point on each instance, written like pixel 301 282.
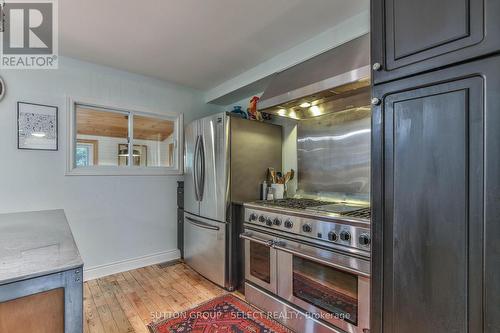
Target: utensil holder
pixel 278 191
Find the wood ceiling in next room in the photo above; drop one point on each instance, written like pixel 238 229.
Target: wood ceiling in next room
pixel 115 125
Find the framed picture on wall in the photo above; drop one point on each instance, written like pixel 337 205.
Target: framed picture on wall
pixel 37 126
pixel 140 155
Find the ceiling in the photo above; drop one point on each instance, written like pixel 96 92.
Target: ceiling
pixel 196 43
pixel 115 125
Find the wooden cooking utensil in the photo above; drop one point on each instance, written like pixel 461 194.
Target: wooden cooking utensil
pixel 271 175
pixel 287 177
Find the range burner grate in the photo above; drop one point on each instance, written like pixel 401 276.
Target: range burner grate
pixel 297 203
pixel 363 213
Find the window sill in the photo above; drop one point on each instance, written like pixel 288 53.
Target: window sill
pixel 123 171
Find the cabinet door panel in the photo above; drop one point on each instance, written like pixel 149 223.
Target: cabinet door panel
pixel 427 217
pixel 448 20
pixel 409 37
pixel 435 195
pixel 23 314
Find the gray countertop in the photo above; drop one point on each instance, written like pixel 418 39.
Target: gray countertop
pixel 33 244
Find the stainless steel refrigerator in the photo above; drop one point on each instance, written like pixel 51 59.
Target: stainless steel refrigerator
pixel 226 158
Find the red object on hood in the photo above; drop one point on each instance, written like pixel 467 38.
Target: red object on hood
pixel 252 108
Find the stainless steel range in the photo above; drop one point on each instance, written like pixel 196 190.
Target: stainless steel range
pixel 309 261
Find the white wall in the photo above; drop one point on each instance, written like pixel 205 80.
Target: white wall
pixel 113 218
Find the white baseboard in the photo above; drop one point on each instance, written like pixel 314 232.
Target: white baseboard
pixel 96 272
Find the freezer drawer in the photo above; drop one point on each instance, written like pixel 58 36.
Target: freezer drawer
pixel 205 247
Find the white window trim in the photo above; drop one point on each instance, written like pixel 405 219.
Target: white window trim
pixel 72 170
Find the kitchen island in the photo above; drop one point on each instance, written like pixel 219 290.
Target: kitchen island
pixel 40 274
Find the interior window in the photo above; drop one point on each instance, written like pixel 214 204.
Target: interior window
pixel 155 141
pixel 107 137
pixel 108 129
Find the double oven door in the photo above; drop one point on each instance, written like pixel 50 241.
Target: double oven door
pixel 327 285
pixel 260 260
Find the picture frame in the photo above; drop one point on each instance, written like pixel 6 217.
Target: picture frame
pixel 37 127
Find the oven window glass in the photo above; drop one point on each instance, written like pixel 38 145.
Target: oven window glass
pixel 260 262
pixel 327 288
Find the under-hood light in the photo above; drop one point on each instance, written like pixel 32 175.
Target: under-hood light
pixel 282 112
pixel 315 110
pixel 305 105
pixel 293 115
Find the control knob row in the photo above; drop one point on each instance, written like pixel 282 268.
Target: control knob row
pixel 344 235
pixel 364 239
pixel 267 220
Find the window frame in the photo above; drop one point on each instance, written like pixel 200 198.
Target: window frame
pixel 129 170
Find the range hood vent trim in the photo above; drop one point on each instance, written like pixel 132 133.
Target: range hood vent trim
pixel 347 63
pixel 314 88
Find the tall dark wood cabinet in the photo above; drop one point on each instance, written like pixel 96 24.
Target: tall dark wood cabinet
pixel 409 37
pixel 436 178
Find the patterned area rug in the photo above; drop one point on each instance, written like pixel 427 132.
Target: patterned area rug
pixel 225 314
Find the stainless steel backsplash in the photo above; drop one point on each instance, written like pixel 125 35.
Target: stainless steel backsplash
pixel 333 153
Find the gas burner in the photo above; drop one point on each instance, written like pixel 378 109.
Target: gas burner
pixel 363 213
pixel 296 203
pixel 319 206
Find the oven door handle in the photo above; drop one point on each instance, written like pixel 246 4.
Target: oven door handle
pixel 281 247
pixel 251 238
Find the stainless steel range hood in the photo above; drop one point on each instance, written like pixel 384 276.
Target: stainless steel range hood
pixel 336 80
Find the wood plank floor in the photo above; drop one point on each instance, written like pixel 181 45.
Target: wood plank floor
pixel 127 302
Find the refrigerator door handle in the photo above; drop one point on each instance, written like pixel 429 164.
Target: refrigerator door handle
pixel 195 168
pixel 201 185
